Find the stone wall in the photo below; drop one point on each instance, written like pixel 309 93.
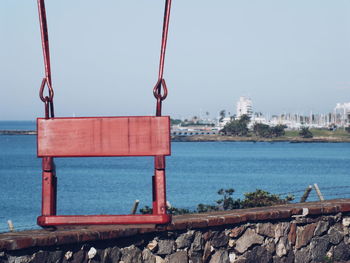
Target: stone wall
pixel 308 234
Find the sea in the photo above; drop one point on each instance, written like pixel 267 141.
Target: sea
pixel 195 173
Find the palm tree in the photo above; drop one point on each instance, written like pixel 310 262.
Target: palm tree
pixel 222 115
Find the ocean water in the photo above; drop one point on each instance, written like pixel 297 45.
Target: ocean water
pixel 195 171
pixel 18 125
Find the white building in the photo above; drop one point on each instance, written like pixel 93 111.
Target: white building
pixel 342 113
pixel 244 106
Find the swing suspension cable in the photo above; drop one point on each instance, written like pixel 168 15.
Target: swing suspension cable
pixel 47 99
pixel 160 90
pixel 157 90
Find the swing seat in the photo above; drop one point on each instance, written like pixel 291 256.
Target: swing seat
pixel 104 136
pixel 98 137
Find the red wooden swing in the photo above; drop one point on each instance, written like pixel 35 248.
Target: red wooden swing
pixel 102 136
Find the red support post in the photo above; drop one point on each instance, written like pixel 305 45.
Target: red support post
pixel 159 186
pixel 49 188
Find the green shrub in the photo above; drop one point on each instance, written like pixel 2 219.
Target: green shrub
pixel 305 133
pixel 258 198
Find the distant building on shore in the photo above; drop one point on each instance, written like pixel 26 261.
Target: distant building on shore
pixel 244 106
pixel 342 114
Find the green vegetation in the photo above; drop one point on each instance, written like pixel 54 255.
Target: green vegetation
pixel 175 121
pixel 266 131
pixel 225 203
pixel 222 115
pixel 240 128
pixel 171 210
pixel 258 198
pixel 237 130
pixel 237 127
pixel 305 133
pixel 194 122
pixel 338 133
pixel 261 198
pixel 190 123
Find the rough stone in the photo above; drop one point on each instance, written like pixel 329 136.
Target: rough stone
pixel 321 228
pixel 281 249
pixel 255 242
pixel 148 257
pixel 248 239
pixel 341 252
pixel 68 255
pixel 219 239
pixel 184 240
pixel 207 235
pixel 290 257
pixel 237 231
pixel 329 254
pixel 159 259
pixel 282 229
pixel 220 256
pixel 196 257
pixel 304 235
pixel 286 259
pixel 232 257
pixel 92 253
pixel 19 259
pixel 101 255
pixel 152 245
pixel 78 257
pixel 207 251
pixel 40 256
pixel 347 240
pixel 177 257
pixel 231 243
pixel 198 242
pixel 302 256
pixel 55 256
pixel 165 247
pixel 258 254
pixel 335 219
pixel 131 254
pixel 319 248
pixel 346 221
pixel 266 229
pixel 292 235
pixel 114 255
pixel 335 236
pixel 269 244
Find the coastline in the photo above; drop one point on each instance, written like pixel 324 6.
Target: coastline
pixel 223 138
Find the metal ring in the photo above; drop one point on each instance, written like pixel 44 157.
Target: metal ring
pixel 158 89
pixel 44 82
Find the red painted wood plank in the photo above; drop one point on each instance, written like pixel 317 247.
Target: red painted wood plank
pixel 104 136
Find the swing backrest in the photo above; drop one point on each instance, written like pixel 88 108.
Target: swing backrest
pixel 103 136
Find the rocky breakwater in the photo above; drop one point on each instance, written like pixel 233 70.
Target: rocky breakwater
pixel 16 132
pixel 302 233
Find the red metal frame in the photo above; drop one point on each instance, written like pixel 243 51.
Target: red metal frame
pixel 117 136
pixel 104 136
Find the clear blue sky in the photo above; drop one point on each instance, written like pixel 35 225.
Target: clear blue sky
pixel 290 55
